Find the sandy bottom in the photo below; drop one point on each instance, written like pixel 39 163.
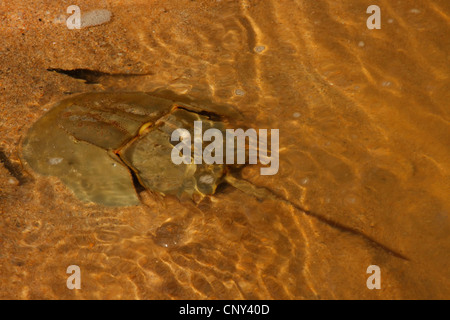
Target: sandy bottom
pixel 364 143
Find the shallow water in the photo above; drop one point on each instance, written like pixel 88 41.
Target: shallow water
pixel 364 145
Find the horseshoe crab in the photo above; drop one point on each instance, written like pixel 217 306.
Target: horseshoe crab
pixel 103 145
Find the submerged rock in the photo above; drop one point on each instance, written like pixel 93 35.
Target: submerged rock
pixel 95 18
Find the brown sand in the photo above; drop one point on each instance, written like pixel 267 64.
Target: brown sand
pixel 364 136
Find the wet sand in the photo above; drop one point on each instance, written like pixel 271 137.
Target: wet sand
pixel 364 145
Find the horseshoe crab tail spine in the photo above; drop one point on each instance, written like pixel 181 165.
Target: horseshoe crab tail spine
pixel 249 188
pixel 262 193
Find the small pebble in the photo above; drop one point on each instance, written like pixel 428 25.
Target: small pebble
pixel 361 44
pixel 95 18
pixel 414 11
pixel 55 161
pixel 259 49
pixel 239 92
pixel 390 20
pixel 296 114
